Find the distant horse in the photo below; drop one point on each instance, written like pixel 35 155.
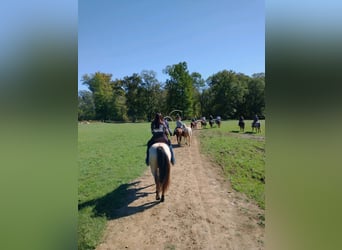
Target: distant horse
pixel 203 123
pixel 218 122
pixel 242 126
pixel 193 124
pixel 160 155
pixel 256 127
pixel 187 133
pixel 179 133
pixel 211 122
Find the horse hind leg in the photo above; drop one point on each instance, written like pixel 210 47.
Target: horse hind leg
pixel 163 190
pixel 157 194
pixel 157 189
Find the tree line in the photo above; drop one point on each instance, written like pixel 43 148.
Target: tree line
pixel 139 96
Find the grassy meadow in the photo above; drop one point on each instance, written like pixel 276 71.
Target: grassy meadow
pixel 112 155
pixel 240 154
pixel 109 156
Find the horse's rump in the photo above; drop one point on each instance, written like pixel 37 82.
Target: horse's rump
pixel 162 160
pixel 256 124
pixel 179 133
pixel 187 133
pixel 160 156
pixel 153 152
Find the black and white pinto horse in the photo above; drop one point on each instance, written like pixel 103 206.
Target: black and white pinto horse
pixel 159 157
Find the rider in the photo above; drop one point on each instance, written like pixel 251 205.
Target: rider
pixel 241 120
pixel 256 119
pixel 179 124
pixel 159 134
pixel 167 126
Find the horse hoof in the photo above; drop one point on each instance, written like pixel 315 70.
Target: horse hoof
pixel 157 198
pixel 162 198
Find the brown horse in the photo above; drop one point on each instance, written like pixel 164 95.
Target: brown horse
pixel 179 133
pixel 159 156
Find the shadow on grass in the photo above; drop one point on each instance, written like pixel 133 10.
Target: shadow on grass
pixel 250 133
pixel 115 204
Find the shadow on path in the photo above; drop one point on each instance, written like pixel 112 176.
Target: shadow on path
pixel 115 204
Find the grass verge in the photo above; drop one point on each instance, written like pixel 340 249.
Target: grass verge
pixel 240 154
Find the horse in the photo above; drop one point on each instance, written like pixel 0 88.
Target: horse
pixel 193 124
pixel 256 126
pixel 187 133
pixel 203 123
pixel 211 122
pixel 218 122
pixel 159 156
pixel 242 126
pixel 179 133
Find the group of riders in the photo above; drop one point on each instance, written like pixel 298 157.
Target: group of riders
pixel 255 120
pixel 161 132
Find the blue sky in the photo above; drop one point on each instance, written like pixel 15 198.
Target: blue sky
pixel 125 37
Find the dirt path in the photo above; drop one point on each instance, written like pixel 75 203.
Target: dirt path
pixel 200 211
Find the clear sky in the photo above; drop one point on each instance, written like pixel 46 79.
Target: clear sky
pixel 123 37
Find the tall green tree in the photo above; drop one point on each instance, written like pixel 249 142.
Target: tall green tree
pixel 198 84
pixel 134 97
pixel 205 101
pixel 227 91
pixel 179 88
pixel 99 85
pixel 118 103
pixel 152 94
pixel 255 99
pixel 86 106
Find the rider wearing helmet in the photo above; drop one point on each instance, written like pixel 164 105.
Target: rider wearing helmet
pixel 179 124
pixel 160 133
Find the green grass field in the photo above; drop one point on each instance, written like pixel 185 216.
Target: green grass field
pixel 112 155
pixel 240 154
pixel 109 156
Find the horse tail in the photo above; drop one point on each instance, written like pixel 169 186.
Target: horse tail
pixel 164 168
